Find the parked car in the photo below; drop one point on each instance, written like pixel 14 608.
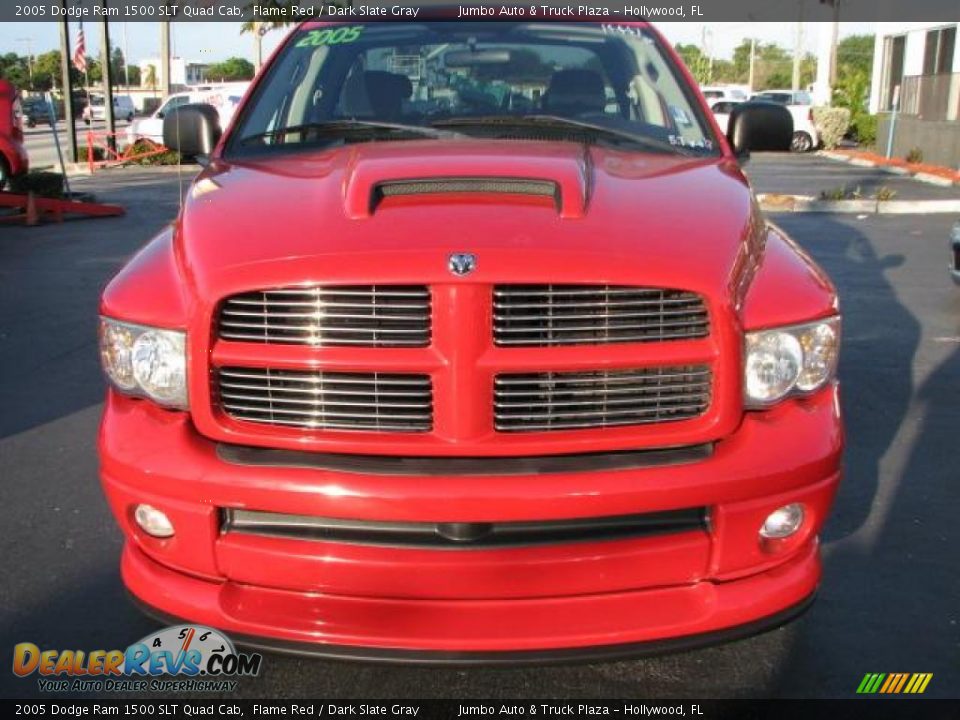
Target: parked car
pixel 724 92
pixel 123 108
pixel 224 99
pixel 35 111
pixel 13 153
pixel 477 385
pixel 800 104
pixel 721 111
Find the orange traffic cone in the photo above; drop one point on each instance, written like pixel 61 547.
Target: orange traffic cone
pixel 33 217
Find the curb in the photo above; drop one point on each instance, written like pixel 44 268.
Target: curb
pixel 891 169
pixel 807 204
pixel 933 179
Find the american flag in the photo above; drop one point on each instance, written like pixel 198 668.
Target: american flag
pixel 80 51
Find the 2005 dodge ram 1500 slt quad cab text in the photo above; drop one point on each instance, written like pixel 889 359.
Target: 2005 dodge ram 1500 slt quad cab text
pixel 470 343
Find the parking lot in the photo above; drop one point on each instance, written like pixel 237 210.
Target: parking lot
pixel 889 597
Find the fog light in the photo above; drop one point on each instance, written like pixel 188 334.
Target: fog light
pixel 153 522
pixel 783 522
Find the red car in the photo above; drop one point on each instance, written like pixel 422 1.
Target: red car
pixel 471 344
pixel 13 155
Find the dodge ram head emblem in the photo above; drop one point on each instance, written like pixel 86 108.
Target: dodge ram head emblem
pixel 462 263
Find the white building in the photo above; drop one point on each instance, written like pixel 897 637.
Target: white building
pixel 182 73
pixel 916 68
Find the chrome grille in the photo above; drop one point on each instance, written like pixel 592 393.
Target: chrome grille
pixel 544 315
pixel 309 399
pixel 356 315
pixel 567 401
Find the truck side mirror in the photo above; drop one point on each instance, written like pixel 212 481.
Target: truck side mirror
pixel 192 130
pixel 759 126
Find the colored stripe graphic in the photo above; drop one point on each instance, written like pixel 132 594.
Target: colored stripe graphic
pixel 894 683
pixel 903 680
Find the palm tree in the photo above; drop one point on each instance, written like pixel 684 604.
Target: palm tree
pixel 259 29
pixel 150 79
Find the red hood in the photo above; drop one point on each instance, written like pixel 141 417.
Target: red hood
pixel 618 218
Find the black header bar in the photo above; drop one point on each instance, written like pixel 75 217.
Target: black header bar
pixel 385 10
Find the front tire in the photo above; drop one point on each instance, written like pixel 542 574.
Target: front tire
pixel 801 143
pixel 4 173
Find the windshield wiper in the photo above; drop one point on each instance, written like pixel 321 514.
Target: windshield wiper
pixel 344 128
pixel 558 123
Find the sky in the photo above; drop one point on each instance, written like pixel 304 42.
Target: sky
pixel 212 42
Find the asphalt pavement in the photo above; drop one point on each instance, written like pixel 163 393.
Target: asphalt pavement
pixel 889 597
pixel 811 174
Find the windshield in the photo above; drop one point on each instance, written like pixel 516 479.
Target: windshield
pixel 578 81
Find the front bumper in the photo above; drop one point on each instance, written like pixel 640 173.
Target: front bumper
pixel 586 598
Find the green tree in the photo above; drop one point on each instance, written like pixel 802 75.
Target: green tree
pixel 231 69
pixel 46 72
pixel 697 63
pixel 851 92
pixel 773 66
pixel 14 69
pixel 150 77
pixel 724 72
pixel 118 65
pixel 94 72
pixel 856 53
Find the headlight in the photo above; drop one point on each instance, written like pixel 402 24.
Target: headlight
pixel 787 360
pixel 145 361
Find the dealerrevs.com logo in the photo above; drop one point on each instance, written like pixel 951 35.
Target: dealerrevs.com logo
pixel 198 658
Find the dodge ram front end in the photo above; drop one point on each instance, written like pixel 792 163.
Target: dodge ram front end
pixel 470 343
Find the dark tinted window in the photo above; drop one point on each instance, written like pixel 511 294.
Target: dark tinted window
pixel 418 74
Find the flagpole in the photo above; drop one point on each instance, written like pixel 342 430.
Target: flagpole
pixel 68 110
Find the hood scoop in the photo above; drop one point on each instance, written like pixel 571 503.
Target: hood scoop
pixel 563 181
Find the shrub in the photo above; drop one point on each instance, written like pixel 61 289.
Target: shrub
pixel 841 193
pixel 98 153
pixel 168 157
pixel 832 124
pixel 915 156
pixel 39 182
pixel 865 129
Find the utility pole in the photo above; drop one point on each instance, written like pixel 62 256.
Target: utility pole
pixel 29 43
pixel 827 76
pixel 126 60
pixel 259 30
pixel 833 44
pixel 67 84
pixel 107 72
pixel 165 59
pixel 753 55
pixel 707 50
pixel 798 49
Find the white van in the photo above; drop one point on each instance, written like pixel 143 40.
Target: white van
pixel 123 108
pixel 224 98
pixel 723 92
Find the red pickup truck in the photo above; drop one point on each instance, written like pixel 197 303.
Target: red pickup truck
pixel 471 344
pixel 13 154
